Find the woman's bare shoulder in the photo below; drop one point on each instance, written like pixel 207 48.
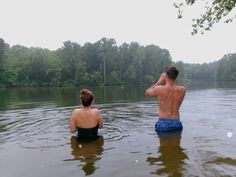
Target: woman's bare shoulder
pixel 96 111
pixel 76 111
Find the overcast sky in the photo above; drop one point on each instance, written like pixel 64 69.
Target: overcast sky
pixel 48 23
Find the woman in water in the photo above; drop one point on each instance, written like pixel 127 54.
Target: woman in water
pixel 86 120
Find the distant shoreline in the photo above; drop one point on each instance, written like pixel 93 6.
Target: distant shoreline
pixel 101 63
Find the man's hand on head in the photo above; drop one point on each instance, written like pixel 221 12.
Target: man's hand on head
pixel 162 79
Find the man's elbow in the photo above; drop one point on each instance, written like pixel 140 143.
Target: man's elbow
pixel 147 94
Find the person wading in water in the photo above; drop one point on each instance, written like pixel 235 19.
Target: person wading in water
pixel 170 97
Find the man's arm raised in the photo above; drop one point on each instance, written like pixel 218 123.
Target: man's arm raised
pixel 152 91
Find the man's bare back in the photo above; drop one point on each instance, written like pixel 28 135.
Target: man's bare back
pixel 170 99
pixel 169 95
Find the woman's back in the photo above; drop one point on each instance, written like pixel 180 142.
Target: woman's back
pixel 86 120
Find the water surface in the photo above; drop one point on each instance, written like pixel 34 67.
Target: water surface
pixel 35 138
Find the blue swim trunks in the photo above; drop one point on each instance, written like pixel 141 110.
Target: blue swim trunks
pixel 168 125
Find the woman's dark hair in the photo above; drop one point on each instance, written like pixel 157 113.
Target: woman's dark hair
pixel 171 72
pixel 86 97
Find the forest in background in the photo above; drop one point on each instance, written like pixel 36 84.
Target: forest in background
pixel 101 63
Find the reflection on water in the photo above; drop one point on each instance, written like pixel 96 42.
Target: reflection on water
pixel 171 155
pixel 221 160
pixel 88 152
pixel 33 121
pixel 26 98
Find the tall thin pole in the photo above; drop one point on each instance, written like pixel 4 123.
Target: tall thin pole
pixel 104 71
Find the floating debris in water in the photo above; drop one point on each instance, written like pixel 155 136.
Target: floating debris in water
pixel 229 134
pixel 136 161
pixel 80 146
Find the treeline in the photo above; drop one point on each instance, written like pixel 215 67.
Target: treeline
pixel 221 70
pixel 100 63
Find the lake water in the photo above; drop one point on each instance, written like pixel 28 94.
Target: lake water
pixel 35 140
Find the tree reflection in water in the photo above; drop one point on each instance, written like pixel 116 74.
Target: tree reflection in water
pixel 88 152
pixel 171 156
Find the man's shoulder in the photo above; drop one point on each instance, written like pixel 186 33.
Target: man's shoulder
pixel 181 88
pixel 161 88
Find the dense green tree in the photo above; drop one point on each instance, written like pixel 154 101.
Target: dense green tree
pixel 227 68
pixel 114 78
pixel 182 77
pixel 44 67
pixel 53 70
pixel 90 58
pixel 200 72
pixel 72 66
pixel 19 65
pixel 3 58
pixel 108 54
pixel 104 60
pixel 123 60
pixel 155 61
pixel 131 55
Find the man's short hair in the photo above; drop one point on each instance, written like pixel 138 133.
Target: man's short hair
pixel 171 72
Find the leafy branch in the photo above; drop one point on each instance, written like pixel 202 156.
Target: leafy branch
pixel 215 11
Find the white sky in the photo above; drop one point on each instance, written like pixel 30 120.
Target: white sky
pixel 49 23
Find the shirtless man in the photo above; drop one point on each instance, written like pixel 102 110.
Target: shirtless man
pixel 170 97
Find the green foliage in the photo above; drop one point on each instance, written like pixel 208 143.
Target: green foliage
pixel 149 79
pixel 94 79
pixel 227 68
pixel 215 11
pixel 3 58
pixel 182 77
pixel 69 56
pixel 127 64
pixel 114 79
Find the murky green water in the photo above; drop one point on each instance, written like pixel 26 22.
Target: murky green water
pixel 35 139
